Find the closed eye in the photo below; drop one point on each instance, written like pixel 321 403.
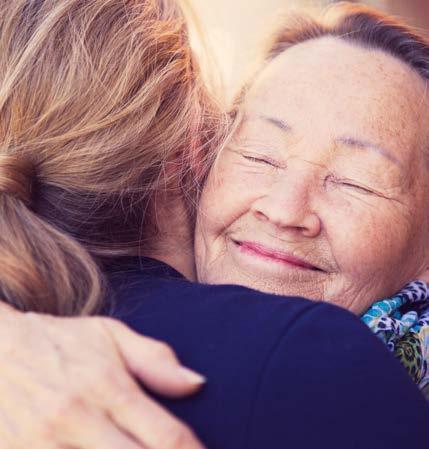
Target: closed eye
pixel 260 160
pixel 350 184
pixel 357 187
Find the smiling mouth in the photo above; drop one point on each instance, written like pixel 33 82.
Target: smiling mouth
pixel 273 255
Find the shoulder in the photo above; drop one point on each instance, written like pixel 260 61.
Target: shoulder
pixel 281 370
pixel 162 304
pixel 340 385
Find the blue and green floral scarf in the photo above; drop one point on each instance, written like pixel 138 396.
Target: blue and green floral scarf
pixel 402 323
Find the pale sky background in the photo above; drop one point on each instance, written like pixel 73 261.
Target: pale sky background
pixel 236 28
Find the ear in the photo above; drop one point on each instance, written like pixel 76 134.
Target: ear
pixel 202 157
pixel 197 159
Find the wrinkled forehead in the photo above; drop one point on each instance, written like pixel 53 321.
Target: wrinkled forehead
pixel 344 87
pixel 328 62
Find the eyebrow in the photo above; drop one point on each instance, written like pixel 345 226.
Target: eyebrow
pixel 345 140
pixel 364 145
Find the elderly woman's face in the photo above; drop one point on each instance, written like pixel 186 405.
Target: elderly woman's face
pixel 323 192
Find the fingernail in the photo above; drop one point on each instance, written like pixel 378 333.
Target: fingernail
pixel 191 376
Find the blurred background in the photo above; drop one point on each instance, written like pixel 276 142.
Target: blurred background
pixel 235 29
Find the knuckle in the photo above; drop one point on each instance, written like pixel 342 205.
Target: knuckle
pixel 95 385
pixel 161 351
pixel 118 384
pixel 58 416
pixel 69 405
pixel 112 382
pixel 123 399
pixel 104 373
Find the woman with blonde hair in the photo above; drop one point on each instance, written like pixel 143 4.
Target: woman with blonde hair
pixel 106 126
pixel 99 99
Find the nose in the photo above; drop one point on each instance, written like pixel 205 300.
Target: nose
pixel 287 204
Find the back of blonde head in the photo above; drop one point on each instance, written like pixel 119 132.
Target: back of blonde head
pixel 96 96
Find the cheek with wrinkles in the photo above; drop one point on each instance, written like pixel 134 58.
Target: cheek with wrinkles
pixel 365 243
pixel 246 168
pixel 231 192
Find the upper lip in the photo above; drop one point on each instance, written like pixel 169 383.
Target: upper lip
pixel 278 254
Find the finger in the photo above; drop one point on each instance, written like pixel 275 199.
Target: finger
pixel 97 430
pixel 151 424
pixel 153 362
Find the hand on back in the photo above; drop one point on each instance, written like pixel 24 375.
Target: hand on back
pixel 72 382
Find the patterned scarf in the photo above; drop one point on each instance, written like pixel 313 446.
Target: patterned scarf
pixel 402 323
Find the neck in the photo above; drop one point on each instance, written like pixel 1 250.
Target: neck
pixel 173 244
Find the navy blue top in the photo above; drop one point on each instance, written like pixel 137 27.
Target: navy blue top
pixel 282 372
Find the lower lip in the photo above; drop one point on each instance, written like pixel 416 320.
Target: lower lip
pixel 255 250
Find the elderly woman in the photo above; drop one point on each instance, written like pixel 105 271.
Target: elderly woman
pixel 302 351
pixel 323 191
pixel 332 150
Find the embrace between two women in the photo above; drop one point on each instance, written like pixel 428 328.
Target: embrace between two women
pixel 120 176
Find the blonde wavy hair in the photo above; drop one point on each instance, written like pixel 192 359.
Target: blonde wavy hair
pixel 96 97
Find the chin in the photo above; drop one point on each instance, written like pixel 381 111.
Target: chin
pixel 280 287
